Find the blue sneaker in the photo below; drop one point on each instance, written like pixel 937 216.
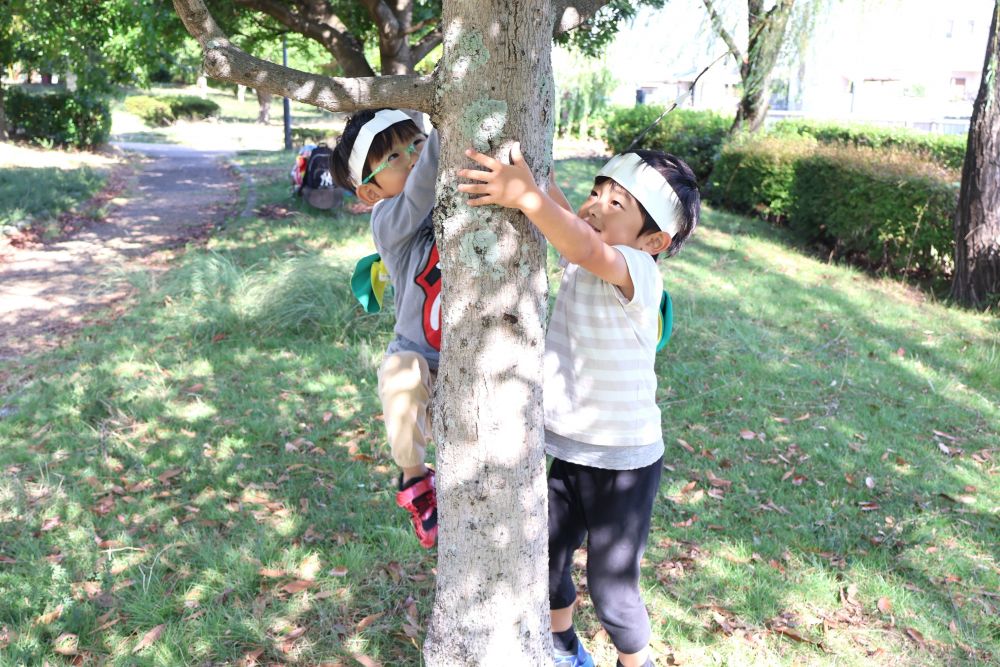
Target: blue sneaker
pixel 581 659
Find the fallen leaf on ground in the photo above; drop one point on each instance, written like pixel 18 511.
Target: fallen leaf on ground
pixel 368 620
pixel 685 524
pixel 250 659
pixel 747 434
pixel 271 573
pixel 50 524
pixel 366 661
pixel 297 586
pixel 45 619
pixel 683 443
pixel 339 571
pixel 66 644
pixel 309 568
pixel 915 636
pixel 884 605
pixel 150 637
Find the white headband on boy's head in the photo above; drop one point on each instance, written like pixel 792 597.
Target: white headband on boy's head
pixel 649 187
pixel 367 133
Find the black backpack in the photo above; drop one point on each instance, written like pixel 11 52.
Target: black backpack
pixel 319 175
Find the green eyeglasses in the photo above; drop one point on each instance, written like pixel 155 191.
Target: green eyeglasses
pixel 389 161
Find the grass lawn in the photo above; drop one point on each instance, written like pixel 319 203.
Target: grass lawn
pixel 37 185
pixel 204 480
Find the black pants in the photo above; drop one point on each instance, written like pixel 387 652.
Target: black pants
pixel 612 509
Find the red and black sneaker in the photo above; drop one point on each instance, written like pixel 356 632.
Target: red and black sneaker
pixel 418 497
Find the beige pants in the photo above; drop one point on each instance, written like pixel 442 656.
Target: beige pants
pixel 404 387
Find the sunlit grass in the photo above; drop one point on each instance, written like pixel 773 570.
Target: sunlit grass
pixel 201 453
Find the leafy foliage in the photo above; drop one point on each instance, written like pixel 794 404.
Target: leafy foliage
pixel 103 43
pixel 884 208
pixel 58 117
pixel 160 111
pixel 890 209
pixel 693 136
pixel 593 36
pixel 947 150
pixel 582 89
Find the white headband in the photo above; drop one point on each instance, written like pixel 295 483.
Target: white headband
pixel 649 187
pixel 367 133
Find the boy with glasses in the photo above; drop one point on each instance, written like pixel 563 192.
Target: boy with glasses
pixel 389 163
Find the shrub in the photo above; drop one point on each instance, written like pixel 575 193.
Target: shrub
pixel 888 209
pixel 161 111
pixel 947 150
pixel 58 117
pixel 693 136
pixel 191 107
pixel 153 111
pixel 755 175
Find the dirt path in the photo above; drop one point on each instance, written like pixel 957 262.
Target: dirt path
pixel 48 290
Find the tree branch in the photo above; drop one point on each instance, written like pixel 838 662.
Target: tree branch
pixel 326 28
pixel 226 62
pixel 723 33
pixel 383 18
pixel 420 50
pixel 571 14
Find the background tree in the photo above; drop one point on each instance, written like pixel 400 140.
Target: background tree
pixel 977 223
pixel 492 85
pixel 102 43
pixel 765 37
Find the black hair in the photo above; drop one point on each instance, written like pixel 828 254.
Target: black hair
pixel 381 145
pixel 685 185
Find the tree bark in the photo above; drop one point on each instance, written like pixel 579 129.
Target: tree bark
pixel 3 115
pixel 492 86
pixel 976 281
pixel 491 604
pixel 264 107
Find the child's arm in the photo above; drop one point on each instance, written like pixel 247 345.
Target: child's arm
pixel 407 211
pixel 513 186
pixel 556 192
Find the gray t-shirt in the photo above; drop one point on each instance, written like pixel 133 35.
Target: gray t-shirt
pixel 404 237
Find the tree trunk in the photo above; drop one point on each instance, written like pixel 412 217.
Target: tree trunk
pixel 264 100
pixel 977 223
pixel 491 605
pixel 3 115
pixel 766 34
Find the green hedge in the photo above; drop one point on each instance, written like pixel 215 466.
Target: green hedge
pixel 881 208
pixel 59 117
pixel 885 208
pixel 693 136
pixel 153 111
pixel 947 150
pixel 160 111
pixel 755 175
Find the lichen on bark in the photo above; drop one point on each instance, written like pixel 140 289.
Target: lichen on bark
pixel 483 121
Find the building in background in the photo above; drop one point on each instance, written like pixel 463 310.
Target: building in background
pixel 912 63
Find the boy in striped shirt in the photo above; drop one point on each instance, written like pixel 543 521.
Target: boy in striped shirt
pixel 602 423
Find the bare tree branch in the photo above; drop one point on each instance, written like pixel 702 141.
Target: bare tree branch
pixel 382 16
pixel 723 33
pixel 323 27
pixel 226 62
pixel 571 13
pixel 420 50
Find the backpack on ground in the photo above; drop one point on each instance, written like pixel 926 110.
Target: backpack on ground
pixel 318 187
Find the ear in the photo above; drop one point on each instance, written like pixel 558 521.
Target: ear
pixel 656 242
pixel 369 193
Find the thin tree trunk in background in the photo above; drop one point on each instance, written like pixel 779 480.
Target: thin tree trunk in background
pixel 491 602
pixel 264 100
pixel 977 223
pixel 3 115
